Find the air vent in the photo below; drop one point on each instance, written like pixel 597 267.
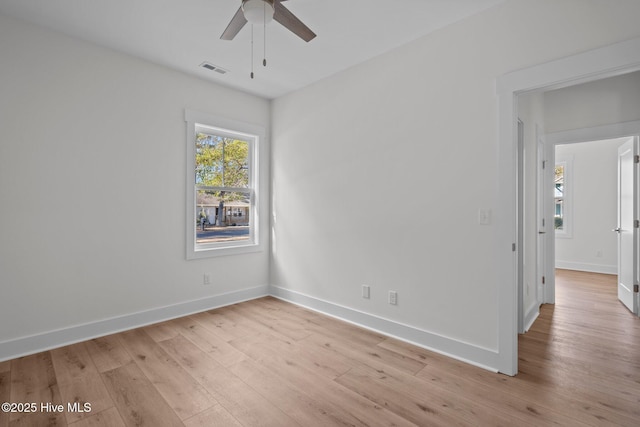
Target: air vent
pixel 210 66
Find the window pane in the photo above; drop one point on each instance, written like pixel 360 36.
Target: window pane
pixel 559 215
pixel 222 216
pixel 221 161
pixel 236 163
pixel 559 197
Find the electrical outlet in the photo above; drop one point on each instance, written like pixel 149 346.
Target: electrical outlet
pixel 393 297
pixel 599 254
pixel 206 279
pixel 366 291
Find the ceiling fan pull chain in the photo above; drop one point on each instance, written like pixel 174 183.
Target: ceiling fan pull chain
pixel 264 38
pixel 251 50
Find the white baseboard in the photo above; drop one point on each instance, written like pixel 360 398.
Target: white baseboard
pixel 531 316
pixel 591 268
pixel 48 340
pixel 468 353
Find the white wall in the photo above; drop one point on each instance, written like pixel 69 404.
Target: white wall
pixel 92 187
pixel 416 127
pixel 574 110
pixel 592 245
pixel 603 102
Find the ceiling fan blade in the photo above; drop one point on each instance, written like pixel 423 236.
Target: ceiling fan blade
pixel 290 22
pixel 237 22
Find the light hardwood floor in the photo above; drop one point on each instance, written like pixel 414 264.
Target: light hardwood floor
pixel 270 363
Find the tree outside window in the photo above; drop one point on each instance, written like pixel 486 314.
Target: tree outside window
pixel 222 186
pixel 223 196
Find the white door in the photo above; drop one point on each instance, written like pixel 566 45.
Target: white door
pixel 546 240
pixel 541 221
pixel 627 222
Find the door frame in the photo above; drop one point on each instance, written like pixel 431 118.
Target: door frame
pixel 575 136
pixel 544 214
pixel 633 142
pixel 520 239
pixel 609 61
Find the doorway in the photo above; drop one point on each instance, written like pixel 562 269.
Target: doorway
pixel 613 60
pixel 586 211
pixel 571 218
pixel 585 197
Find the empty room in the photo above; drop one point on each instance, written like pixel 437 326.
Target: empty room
pixel 305 212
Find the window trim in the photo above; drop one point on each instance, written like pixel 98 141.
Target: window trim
pixel 254 135
pixel 567 200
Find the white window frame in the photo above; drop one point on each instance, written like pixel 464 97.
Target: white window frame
pixel 253 134
pixel 567 199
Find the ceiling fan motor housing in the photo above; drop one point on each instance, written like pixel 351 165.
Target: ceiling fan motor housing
pixel 258 12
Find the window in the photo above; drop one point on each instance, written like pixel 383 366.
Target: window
pixel 562 188
pixel 221 186
pixel 558 194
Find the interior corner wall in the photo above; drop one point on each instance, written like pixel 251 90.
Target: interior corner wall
pixel 380 173
pixel 92 191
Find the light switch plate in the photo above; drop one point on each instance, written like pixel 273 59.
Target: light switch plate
pixel 484 216
pixel 366 291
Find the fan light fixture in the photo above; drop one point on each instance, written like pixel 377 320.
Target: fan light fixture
pixel 258 12
pixel 261 12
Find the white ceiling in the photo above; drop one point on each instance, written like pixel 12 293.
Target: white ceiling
pixel 181 34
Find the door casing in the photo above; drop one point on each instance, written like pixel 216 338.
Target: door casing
pixel 612 60
pixel 597 133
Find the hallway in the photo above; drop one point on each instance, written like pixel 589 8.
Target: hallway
pixel 587 344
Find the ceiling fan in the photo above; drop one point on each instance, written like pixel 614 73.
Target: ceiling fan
pixel 262 12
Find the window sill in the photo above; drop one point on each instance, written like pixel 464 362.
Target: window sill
pixel 227 250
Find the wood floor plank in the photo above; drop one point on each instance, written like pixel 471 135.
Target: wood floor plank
pixel 107 418
pixel 586 403
pixel 238 314
pixel 306 410
pixel 162 331
pixel 33 380
pixel 267 362
pixel 328 395
pixel 535 406
pixel 372 355
pixel 312 400
pixel 215 416
pixel 183 393
pixel 608 345
pixel 575 357
pixel 318 360
pixel 421 406
pixel 222 325
pixel 5 395
pixel 208 341
pixel 79 381
pixel 564 376
pixel 138 401
pixel 244 403
pixel 290 328
pixel 107 353
pixel 321 324
pixel 590 403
